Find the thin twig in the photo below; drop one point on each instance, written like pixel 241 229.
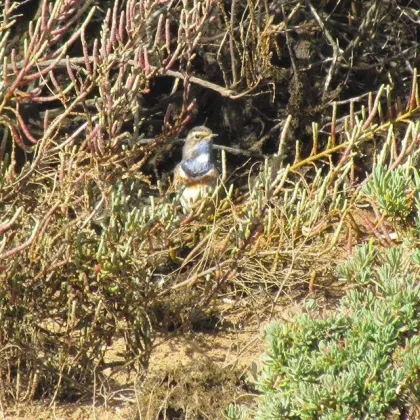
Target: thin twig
pixel 334 46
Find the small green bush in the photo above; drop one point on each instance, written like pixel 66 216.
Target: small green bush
pixel 363 361
pixel 396 192
pixel 235 412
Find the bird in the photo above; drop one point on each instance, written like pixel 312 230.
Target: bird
pixel 196 176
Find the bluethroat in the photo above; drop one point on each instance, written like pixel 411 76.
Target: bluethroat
pixel 196 175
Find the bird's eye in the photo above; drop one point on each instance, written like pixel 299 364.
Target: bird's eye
pixel 197 136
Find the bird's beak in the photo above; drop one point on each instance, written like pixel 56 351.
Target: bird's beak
pixel 212 136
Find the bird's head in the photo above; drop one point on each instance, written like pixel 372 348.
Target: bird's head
pixel 199 140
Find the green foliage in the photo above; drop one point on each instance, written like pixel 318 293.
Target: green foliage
pixel 235 412
pixel 359 268
pixel 360 362
pixel 393 190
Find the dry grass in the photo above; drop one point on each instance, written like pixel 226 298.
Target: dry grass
pixel 94 249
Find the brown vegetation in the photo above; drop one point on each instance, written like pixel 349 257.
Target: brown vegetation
pixel 305 96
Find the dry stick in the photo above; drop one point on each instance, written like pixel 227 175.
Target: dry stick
pixel 372 114
pixel 41 144
pixel 6 226
pixel 407 151
pixel 348 52
pixel 346 155
pixel 21 247
pixel 333 125
pixel 92 214
pixel 46 220
pixel 342 119
pixel 283 135
pixel 257 146
pixel 289 46
pixel 383 241
pixel 283 283
pixel 190 281
pixel 235 151
pixel 363 137
pixel 161 72
pixel 235 78
pixel 36 234
pixel 195 250
pixel 331 41
pixel 354 99
pixel 50 268
pixel 380 223
pixel 74 135
pixel 414 92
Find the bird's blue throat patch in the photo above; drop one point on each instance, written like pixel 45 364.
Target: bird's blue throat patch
pixel 196 168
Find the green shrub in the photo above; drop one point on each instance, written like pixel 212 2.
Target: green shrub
pixel 235 412
pixel 395 191
pixel 363 361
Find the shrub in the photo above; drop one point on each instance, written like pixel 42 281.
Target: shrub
pixel 90 99
pixel 360 362
pixel 393 191
pixel 64 304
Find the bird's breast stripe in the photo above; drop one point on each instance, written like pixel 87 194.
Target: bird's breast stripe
pixel 205 178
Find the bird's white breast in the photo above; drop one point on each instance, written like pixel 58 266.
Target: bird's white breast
pixel 203 159
pixel 192 193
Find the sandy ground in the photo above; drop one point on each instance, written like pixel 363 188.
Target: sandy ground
pixel 236 349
